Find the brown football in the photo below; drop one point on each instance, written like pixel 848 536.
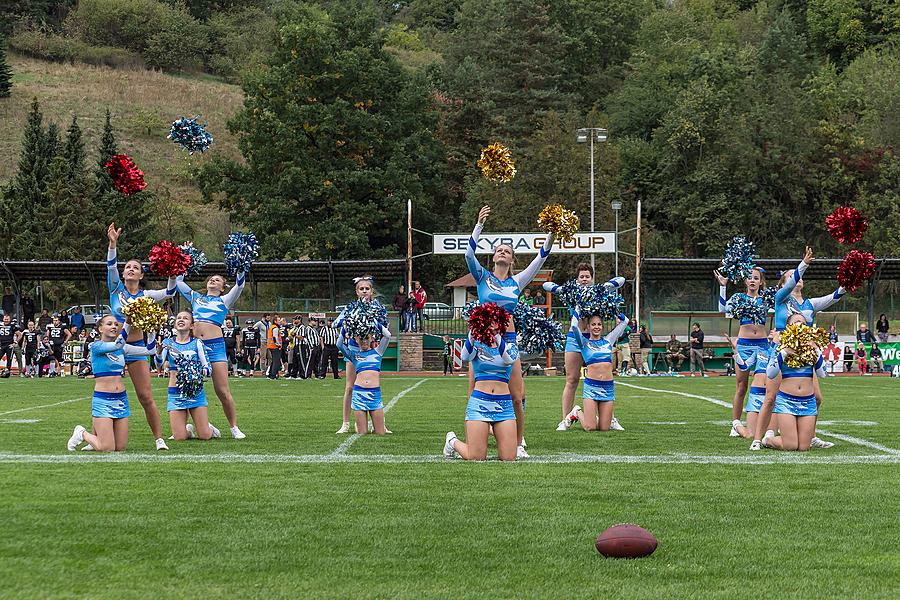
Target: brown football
pixel 626 541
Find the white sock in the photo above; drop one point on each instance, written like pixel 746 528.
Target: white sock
pixel 737 423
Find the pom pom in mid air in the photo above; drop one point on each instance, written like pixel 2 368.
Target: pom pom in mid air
pixel 167 260
pixel 197 257
pixel 744 307
pixel 846 224
pixel 145 314
pixel 739 257
pixel 497 164
pixel 561 222
pixel 486 321
pixel 126 177
pixel 536 333
pixel 797 337
pixel 240 250
pixel 856 268
pixel 364 318
pixel 190 375
pixel 190 135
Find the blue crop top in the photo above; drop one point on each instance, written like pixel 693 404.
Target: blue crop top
pixel 780 367
pixel 108 358
pixel 786 305
pixel 597 351
pixel 365 360
pixel 725 307
pixel 192 348
pixel 490 363
pixel 119 296
pixel 211 309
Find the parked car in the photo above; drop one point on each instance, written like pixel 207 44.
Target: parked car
pixel 438 310
pixel 91 312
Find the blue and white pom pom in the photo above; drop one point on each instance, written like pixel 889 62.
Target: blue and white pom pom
pixel 768 296
pixel 536 332
pixel 603 303
pixel 190 134
pixel 198 257
pixel 571 294
pixel 362 319
pixel 739 259
pixel 468 308
pixel 742 306
pixel 190 375
pixel 240 250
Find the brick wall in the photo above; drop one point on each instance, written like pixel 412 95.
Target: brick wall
pixel 410 351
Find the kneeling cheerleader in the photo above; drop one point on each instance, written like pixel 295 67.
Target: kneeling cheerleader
pixel 366 357
pixel 490 404
pixel 757 394
pixel 188 365
pixel 598 393
pixel 109 406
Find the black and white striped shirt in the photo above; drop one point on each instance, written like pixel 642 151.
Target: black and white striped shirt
pixel 330 335
pixel 311 336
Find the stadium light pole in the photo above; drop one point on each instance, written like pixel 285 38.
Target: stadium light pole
pixel 582 136
pixel 616 206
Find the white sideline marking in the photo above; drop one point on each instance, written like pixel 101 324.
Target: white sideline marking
pixel 345 445
pixel 668 423
pixel 18 410
pixel 761 458
pixel 18 421
pixel 846 438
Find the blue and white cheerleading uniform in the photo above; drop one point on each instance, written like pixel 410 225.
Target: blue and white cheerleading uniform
pixel 108 359
pixel 594 352
pixel 503 293
pixel 212 309
pixel 192 348
pixel 490 364
pixel 786 305
pixel 339 322
pixel 747 348
pixel 760 361
pixel 571 345
pixel 119 296
pixel 363 398
pixel 800 406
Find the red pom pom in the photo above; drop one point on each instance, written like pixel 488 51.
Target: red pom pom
pixel 486 321
pixel 855 269
pixel 846 224
pixel 127 178
pixel 167 260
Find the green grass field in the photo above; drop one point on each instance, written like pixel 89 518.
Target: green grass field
pixel 295 511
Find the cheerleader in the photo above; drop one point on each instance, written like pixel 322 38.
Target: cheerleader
pixel 121 291
pixel 573 359
pixel 503 288
pixel 598 393
pixel 795 402
pixel 490 404
pixel 365 291
pixel 109 406
pixel 757 394
pixel 751 339
pixel 179 405
pixel 209 311
pixel 366 359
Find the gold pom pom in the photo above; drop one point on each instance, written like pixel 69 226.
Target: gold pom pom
pixel 797 337
pixel 145 314
pixel 559 221
pixel 497 164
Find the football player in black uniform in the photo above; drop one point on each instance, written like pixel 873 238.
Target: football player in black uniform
pixel 57 335
pixel 231 345
pixel 9 338
pixel 29 341
pixel 249 346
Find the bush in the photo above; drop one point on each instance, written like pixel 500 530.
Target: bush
pixel 128 24
pixel 59 48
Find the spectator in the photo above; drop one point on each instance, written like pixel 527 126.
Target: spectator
pixel 674 351
pixel 540 299
pixel 421 299
pixel 861 358
pixel 77 319
pixel 273 343
pixel 697 349
pixel 624 357
pixel 875 357
pixel 881 328
pixel 397 304
pixel 526 297
pixel 44 321
pixel 9 302
pixel 832 353
pixel 848 358
pixel 864 335
pixel 832 334
pixel 410 313
pixel 447 355
pixel 646 341
pixel 64 319
pixel 263 327
pixel 27 308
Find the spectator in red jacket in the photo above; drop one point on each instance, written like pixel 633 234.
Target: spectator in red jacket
pixel 421 299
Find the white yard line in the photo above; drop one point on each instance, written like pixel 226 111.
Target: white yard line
pixel 18 410
pixel 345 445
pixel 846 438
pixel 760 458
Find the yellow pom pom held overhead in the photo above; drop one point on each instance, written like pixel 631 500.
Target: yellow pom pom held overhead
pixel 145 314
pixel 797 337
pixel 497 164
pixel 559 221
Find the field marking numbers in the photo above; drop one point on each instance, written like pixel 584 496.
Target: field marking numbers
pixel 839 436
pixel 345 445
pixel 18 410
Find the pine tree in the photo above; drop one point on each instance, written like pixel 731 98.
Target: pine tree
pixel 104 197
pixel 52 147
pixel 73 151
pixel 27 189
pixel 64 233
pixel 5 72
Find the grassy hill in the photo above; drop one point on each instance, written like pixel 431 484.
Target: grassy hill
pixel 143 105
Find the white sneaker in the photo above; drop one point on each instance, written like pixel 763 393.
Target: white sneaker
pixel 161 444
pixel 756 445
pixel 387 431
pixel 215 431
pixel 563 425
pixel 345 428
pixel 237 433
pixel 614 425
pixel 821 444
pixel 77 438
pixel 87 448
pixel 524 443
pixel 190 430
pixel 769 435
pixel 520 453
pixel 172 437
pixel 734 426
pixel 449 449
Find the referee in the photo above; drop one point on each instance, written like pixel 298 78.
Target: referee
pixel 330 337
pixel 312 342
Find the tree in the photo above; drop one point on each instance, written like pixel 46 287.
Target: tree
pixel 5 72
pixel 73 151
pixel 336 137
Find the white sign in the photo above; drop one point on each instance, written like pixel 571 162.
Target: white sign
pixel 526 243
pixel 316 315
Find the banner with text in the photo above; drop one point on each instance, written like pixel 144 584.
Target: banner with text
pixel 526 243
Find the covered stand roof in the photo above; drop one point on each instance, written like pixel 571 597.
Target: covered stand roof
pixel 700 269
